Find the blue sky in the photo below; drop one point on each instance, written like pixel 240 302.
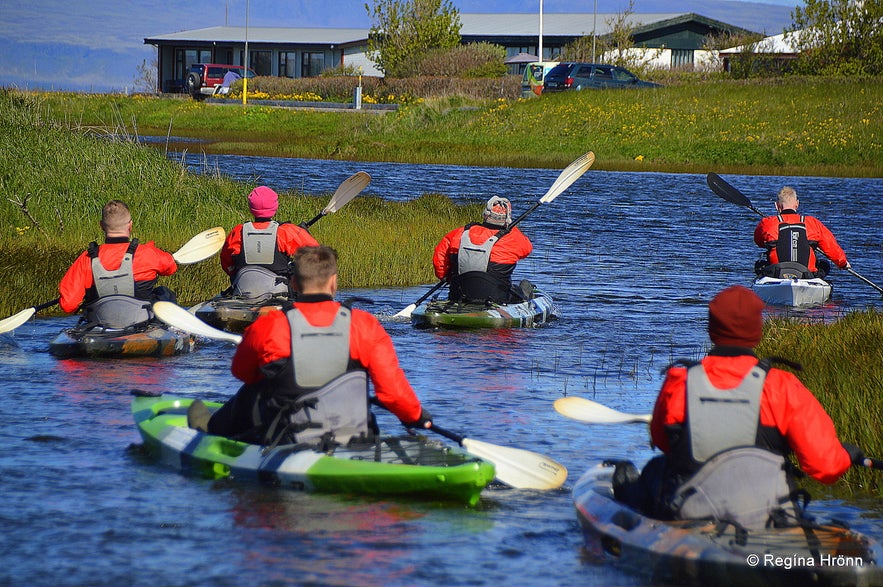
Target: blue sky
pixel 97 45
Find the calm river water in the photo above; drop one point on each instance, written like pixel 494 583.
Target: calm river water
pixel 632 260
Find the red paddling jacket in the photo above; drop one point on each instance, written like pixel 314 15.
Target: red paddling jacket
pixel 268 339
pixel 790 416
pixel 766 234
pixel 148 263
pixel 289 238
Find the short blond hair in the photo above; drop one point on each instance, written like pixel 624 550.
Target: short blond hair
pixel 115 216
pixel 313 266
pixel 787 196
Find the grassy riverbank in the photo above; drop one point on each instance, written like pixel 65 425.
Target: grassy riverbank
pixel 784 126
pixel 55 180
pixel 843 366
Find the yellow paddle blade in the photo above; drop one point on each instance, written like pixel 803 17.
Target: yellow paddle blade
pixel 16 320
pixel 201 247
pixel 175 315
pixel 519 468
pixel 591 412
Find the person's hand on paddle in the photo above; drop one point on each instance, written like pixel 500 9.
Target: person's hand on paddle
pixel 424 421
pixel 856 455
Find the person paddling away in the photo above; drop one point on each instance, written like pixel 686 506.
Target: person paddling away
pixel 725 425
pixel 477 260
pixel 256 254
pixel 306 369
pixel 116 281
pixel 790 238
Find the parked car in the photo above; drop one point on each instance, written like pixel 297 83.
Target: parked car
pixel 580 76
pixel 532 80
pixel 211 79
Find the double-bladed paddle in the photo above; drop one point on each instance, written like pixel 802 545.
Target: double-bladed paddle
pixel 346 191
pixel 729 193
pixel 515 467
pixel 200 247
pixel 565 179
pixel 586 410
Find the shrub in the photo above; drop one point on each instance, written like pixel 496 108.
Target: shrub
pixel 473 60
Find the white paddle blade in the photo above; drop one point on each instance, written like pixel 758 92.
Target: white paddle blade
pixel 519 468
pixel 591 412
pixel 175 315
pixel 201 247
pixel 406 313
pixel 16 320
pixel 570 174
pixel 349 189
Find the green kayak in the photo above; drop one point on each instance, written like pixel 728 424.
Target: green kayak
pixel 448 314
pixel 411 466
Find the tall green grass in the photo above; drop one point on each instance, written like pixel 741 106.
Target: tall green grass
pixel 843 367
pixel 55 182
pixel 785 126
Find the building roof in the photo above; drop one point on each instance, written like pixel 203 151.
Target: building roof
pixel 277 35
pixel 472 25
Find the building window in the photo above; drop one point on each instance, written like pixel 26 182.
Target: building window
pixel 288 63
pixel 184 58
pixel 681 57
pixel 261 62
pixel 312 63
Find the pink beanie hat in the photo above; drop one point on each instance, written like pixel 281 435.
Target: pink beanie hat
pixel 263 202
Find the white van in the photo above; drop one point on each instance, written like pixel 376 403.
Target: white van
pixel 532 81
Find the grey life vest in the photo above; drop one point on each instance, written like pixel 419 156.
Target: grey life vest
pixel 720 419
pixel 738 482
pixel 119 281
pixel 255 279
pixel 116 306
pixel 473 257
pixel 259 244
pixel 334 402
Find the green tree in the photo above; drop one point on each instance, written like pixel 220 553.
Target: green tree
pixel 838 37
pixel 402 31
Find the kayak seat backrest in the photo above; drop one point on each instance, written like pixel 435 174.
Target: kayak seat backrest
pixel 479 287
pixel 253 281
pixel 337 411
pixel 787 270
pixel 745 486
pixel 118 311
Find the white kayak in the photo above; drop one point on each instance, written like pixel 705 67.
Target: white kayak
pixel 782 291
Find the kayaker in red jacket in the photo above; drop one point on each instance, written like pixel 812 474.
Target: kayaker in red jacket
pixel 484 271
pixel 147 263
pixel 272 375
pixel 789 236
pixel 789 417
pixel 277 241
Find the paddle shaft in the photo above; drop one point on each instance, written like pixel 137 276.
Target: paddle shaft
pixel 729 193
pixel 447 434
pixel 48 304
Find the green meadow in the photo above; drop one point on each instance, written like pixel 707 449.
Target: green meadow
pixel 62 156
pixel 786 126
